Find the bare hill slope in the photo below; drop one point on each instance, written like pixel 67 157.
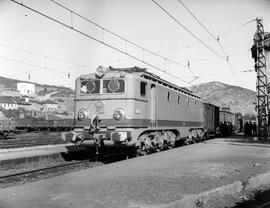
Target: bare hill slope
pixel 237 98
pixel 41 89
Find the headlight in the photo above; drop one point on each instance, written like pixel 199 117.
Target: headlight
pixel 82 114
pixel 100 72
pixel 118 114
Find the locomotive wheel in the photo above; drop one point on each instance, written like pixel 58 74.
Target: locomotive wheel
pixel 155 142
pixel 158 142
pixel 171 139
pixel 143 145
pixel 188 140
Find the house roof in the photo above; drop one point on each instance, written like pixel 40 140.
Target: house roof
pixel 48 102
pixel 7 99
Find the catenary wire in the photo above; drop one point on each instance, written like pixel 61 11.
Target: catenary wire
pixel 208 39
pixel 216 38
pixel 99 41
pixel 113 33
pixel 185 28
pixel 211 34
pixel 127 41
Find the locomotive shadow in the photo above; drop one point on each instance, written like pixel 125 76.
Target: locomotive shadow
pixel 78 153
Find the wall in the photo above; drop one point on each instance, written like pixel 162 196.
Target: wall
pixel 26 88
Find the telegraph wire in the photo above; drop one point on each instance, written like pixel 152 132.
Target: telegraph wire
pixel 43 55
pixel 185 28
pixel 208 39
pixel 34 65
pixel 113 33
pixel 237 27
pixel 214 57
pixel 221 74
pixel 99 41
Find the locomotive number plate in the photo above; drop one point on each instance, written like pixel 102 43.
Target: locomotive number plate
pixel 100 107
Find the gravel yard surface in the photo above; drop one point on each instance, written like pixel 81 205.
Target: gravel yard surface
pixel 150 181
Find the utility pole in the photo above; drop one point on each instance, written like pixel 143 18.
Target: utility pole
pixel 258 53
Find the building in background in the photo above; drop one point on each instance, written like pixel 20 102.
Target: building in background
pixel 10 92
pixel 26 88
pixel 49 106
pixel 8 103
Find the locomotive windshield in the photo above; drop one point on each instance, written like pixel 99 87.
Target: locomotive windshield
pixel 113 86
pixel 90 86
pixel 108 86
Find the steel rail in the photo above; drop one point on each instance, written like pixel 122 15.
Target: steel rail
pixel 265 205
pixel 56 166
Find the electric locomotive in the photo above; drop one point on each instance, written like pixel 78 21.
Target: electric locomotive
pixel 133 108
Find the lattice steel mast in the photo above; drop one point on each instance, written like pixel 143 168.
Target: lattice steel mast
pixel 258 54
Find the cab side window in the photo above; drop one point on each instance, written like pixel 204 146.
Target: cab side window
pixel 143 88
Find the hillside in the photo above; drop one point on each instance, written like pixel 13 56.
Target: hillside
pixel 62 95
pixel 237 98
pixel 41 89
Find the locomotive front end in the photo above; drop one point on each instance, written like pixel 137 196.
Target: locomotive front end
pixel 103 109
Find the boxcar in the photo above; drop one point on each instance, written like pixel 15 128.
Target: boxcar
pixel 7 125
pixel 211 117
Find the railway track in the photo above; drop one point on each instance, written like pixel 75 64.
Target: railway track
pixel 27 144
pixel 30 175
pixel 30 139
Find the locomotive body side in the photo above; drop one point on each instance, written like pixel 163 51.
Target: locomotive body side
pixel 134 108
pixel 176 110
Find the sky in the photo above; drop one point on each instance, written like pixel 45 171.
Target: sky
pixel 31 44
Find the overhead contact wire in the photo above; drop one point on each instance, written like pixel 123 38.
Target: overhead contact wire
pixel 185 28
pixel 216 38
pixel 95 39
pixel 109 31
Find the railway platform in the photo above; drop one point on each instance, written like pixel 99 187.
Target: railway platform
pixel 182 177
pixel 12 160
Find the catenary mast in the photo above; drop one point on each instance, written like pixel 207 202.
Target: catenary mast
pixel 262 86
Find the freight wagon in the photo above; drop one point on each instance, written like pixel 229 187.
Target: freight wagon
pixel 44 124
pixel 7 125
pixel 211 118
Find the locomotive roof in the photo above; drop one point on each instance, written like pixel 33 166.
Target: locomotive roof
pixel 155 78
pixel 150 76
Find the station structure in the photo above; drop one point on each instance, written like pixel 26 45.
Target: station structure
pixel 261 55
